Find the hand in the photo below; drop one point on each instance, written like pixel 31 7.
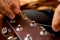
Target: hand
pixel 9 8
pixel 56 20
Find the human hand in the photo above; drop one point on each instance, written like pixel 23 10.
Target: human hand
pixel 56 20
pixel 10 8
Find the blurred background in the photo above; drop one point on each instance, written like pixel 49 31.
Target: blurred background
pixel 41 11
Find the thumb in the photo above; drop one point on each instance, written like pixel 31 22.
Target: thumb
pixel 56 22
pixel 56 19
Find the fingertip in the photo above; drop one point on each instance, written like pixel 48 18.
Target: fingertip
pixel 55 28
pixel 12 16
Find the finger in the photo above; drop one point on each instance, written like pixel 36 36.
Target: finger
pixel 15 5
pixel 56 20
pixel 4 7
pixel 17 10
pixel 56 23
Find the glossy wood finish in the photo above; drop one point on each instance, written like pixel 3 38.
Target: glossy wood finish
pixel 27 29
pixel 33 31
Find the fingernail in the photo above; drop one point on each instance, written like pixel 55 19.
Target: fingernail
pixel 56 29
pixel 12 16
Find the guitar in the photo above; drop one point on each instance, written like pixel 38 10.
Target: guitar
pixel 24 29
